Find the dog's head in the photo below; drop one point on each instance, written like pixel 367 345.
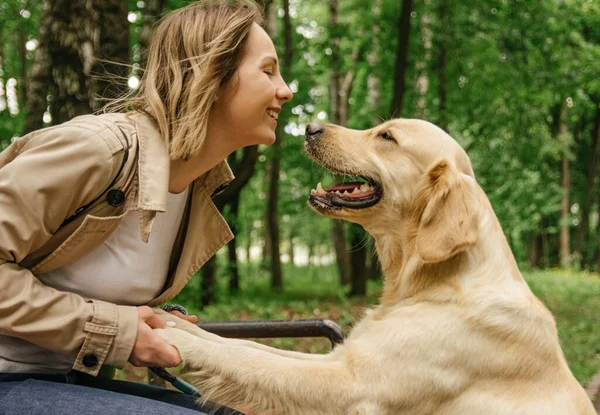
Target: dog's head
pixel 415 177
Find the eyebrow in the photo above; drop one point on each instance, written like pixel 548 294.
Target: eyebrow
pixel 273 59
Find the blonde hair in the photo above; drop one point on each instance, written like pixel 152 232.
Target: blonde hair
pixel 193 52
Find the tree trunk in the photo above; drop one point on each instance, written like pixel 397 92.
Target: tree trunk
pixel 565 250
pixel 357 257
pixel 338 228
pixel 112 52
pixel 581 237
pixel 72 35
pixel 273 198
pixel 41 80
pixel 358 261
pixel 243 169
pixel 291 247
pixel 401 59
pixel 443 64
pixel 545 246
pixel 74 56
pixel 24 72
pixel 234 275
pixel 272 215
pixel 208 282
pixel 534 251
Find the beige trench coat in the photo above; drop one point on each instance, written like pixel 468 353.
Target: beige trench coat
pixel 63 190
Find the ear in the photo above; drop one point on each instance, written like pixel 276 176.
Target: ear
pixel 449 223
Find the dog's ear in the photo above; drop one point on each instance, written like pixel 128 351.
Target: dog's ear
pixel 449 222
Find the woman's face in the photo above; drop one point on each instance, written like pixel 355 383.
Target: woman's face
pixel 249 105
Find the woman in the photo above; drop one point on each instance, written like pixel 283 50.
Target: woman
pixel 104 216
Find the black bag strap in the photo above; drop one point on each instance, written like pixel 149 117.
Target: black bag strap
pixel 123 161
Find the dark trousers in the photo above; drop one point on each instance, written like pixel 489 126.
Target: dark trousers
pixel 79 393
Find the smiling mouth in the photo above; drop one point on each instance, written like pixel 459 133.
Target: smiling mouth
pixel 272 114
pixel 353 195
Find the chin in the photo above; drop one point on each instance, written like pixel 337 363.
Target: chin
pixel 267 139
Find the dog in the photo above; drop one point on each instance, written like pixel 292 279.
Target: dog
pixel 457 330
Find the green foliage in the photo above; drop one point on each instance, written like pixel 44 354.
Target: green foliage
pixel 510 67
pixel 574 300
pixel 18 25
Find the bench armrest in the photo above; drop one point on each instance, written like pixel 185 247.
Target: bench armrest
pixel 313 327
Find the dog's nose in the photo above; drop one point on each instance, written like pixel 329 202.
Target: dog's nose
pixel 314 130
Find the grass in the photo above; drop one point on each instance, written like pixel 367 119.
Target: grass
pixel 573 299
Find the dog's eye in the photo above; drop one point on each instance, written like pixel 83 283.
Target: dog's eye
pixel 386 136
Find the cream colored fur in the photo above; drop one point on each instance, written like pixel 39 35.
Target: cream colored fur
pixel 457 330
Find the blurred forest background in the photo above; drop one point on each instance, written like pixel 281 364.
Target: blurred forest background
pixel 516 82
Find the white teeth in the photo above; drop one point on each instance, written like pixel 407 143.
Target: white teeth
pixel 272 114
pixel 320 190
pixel 364 188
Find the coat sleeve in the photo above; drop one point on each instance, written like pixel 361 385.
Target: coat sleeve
pixel 56 171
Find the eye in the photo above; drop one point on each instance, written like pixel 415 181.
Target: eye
pixel 386 136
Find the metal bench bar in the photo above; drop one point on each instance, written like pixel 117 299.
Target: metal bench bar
pixel 313 327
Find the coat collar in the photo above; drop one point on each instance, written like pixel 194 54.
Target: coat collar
pixel 153 173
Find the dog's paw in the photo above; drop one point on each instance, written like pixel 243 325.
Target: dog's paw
pixel 182 340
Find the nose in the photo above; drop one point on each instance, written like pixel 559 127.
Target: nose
pixel 314 131
pixel 284 93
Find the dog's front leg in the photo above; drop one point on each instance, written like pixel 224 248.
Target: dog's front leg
pixel 198 332
pixel 230 373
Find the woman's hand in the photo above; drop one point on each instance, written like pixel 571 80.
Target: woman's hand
pixel 150 349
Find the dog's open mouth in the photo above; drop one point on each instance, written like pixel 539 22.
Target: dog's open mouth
pixel 353 195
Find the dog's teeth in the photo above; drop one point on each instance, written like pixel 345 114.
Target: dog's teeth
pixel 313 191
pixel 355 190
pixel 320 189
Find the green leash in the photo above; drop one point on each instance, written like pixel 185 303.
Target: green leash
pixel 180 384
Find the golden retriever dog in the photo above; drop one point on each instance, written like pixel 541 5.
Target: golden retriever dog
pixel 457 330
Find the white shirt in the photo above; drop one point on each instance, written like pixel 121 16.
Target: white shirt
pixel 123 269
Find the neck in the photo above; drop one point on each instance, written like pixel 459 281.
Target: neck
pixel 488 263
pixel 217 146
